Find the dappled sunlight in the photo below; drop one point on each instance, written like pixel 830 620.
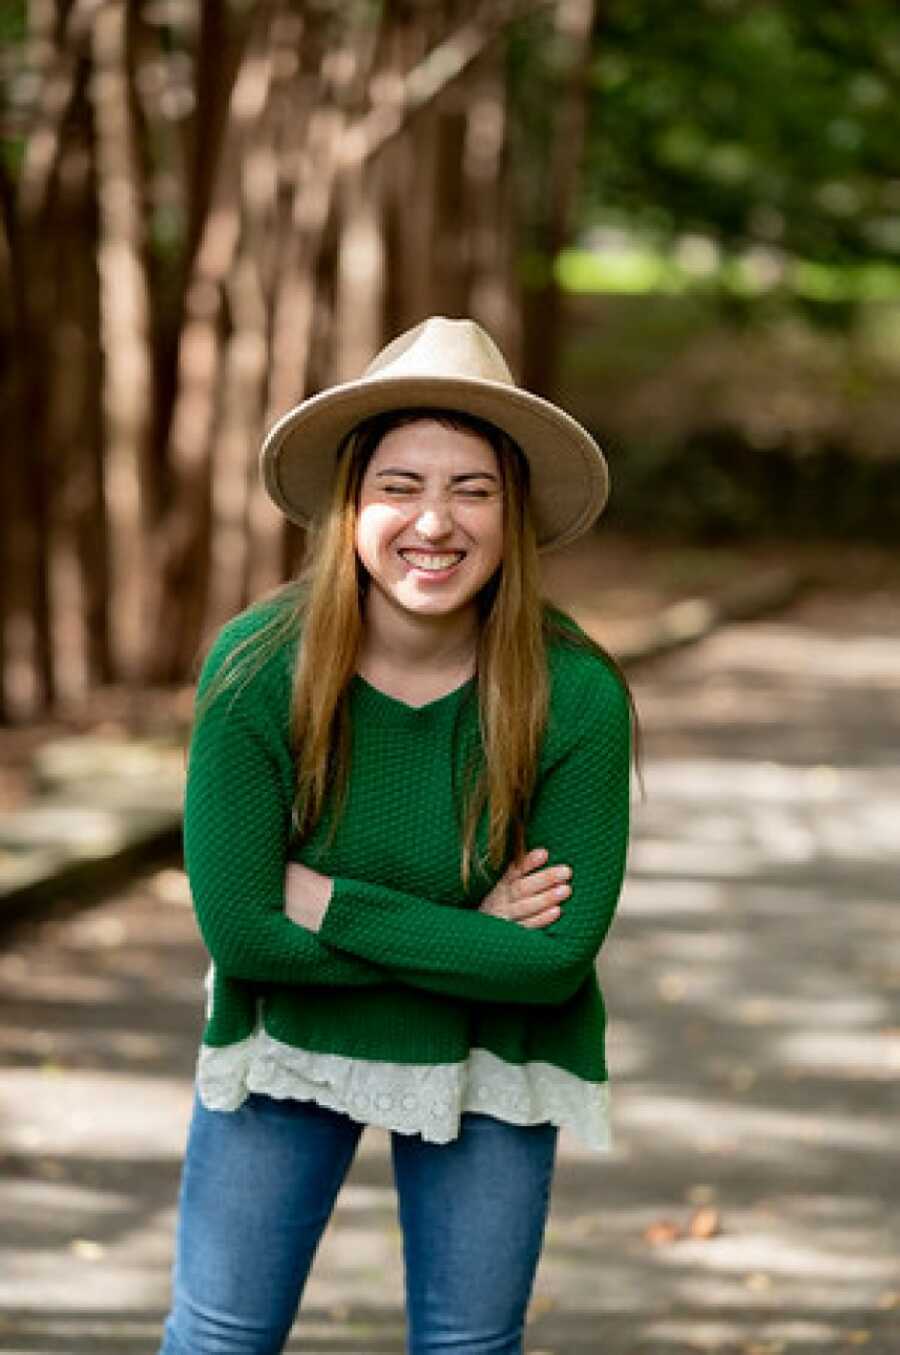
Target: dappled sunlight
pixel 80 832
pixel 825 1010
pixel 121 991
pixel 74 1115
pixel 834 1054
pixel 734 818
pixel 838 1261
pixel 781 700
pixel 761 1134
pixel 642 896
pixel 829 659
pixel 758 923
pixel 769 1338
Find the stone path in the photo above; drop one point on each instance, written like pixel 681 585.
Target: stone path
pixel 753 982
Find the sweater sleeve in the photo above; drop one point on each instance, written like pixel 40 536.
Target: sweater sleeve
pixel 237 818
pixel 580 813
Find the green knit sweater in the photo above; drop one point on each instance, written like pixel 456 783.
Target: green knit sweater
pixel 404 970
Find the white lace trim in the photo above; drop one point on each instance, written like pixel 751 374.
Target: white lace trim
pixel 426 1099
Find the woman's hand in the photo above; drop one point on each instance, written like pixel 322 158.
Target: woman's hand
pixel 307 895
pixel 530 892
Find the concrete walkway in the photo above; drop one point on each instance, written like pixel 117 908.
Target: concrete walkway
pixel 753 983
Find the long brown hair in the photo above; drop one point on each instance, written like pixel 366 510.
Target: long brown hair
pixel 511 665
pixel 326 603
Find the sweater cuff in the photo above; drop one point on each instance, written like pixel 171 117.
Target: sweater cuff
pixel 337 912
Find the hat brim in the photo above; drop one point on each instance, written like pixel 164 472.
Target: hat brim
pixel 569 477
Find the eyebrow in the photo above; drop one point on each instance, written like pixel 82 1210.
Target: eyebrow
pixel 454 479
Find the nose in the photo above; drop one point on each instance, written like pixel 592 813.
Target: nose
pixel 434 521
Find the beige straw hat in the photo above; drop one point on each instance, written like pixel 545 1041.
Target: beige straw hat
pixel 441 364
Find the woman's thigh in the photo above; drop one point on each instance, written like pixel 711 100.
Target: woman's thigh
pixel 473 1214
pixel 258 1187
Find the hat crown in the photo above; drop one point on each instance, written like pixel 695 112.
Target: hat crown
pixel 439 347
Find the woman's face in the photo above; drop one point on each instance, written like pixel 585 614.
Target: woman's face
pixel 429 528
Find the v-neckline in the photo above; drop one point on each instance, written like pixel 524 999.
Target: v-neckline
pixel 395 702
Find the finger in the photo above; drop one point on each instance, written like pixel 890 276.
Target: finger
pixel 541 919
pixel 541 881
pixel 527 863
pixel 533 904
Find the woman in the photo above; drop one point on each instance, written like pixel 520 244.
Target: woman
pixel 405 830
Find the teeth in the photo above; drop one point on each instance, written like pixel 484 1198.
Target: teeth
pixel 433 562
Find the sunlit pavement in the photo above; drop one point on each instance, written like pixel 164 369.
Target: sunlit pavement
pixel 753 982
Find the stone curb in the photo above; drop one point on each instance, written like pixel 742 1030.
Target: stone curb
pixel 110 809
pixel 86 834
pixel 693 619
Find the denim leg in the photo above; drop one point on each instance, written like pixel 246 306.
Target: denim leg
pixel 473 1213
pixel 258 1187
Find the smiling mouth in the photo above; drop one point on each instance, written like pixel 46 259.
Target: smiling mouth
pixel 433 563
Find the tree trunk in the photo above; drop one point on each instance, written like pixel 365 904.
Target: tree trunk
pixel 182 545
pixel 542 305
pixel 487 224
pixel 124 324
pixel 90 523
pixel 223 34
pixel 340 177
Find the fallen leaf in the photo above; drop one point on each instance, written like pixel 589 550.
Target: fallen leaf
pixel 662 1231
pixel 704 1222
pixel 859 1337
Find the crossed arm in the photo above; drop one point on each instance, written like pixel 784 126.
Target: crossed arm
pixel 352 933
pixel 563 908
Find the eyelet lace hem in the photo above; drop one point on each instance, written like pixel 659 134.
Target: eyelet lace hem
pixel 426 1099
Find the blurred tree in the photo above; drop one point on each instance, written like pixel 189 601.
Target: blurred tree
pixel 210 211
pixel 751 122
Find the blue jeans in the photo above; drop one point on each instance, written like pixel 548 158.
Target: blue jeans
pixel 259 1185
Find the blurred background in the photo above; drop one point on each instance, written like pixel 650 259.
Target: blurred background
pixel 682 222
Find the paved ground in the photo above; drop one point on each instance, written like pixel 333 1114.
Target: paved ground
pixel 753 980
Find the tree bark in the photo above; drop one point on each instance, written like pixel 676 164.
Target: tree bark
pixel 541 307
pixel 488 224
pixel 340 179
pixel 181 551
pixel 222 37
pixel 124 326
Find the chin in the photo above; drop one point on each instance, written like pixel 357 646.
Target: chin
pixel 429 607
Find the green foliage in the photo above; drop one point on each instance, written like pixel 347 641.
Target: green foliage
pixel 717 489
pixel 12 23
pixel 827 292
pixel 12 39
pixel 750 122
